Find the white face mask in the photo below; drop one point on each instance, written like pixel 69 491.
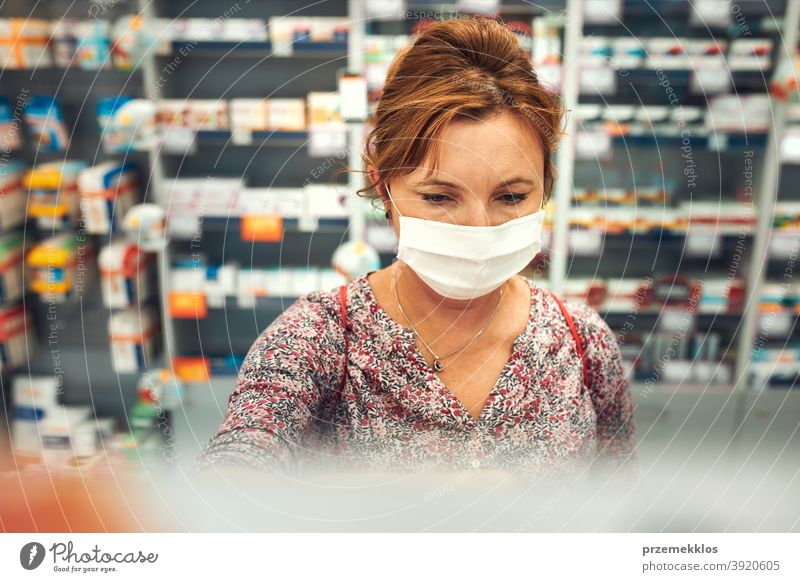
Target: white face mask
pixel 464 262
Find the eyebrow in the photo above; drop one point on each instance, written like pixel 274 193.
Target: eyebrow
pixel 514 180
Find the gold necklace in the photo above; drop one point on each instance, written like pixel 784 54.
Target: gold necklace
pixel 438 366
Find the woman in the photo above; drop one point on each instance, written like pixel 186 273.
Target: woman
pixel 447 359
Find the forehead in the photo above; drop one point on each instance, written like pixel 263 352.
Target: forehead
pixel 478 151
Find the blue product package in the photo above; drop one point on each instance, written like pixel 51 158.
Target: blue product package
pixel 45 124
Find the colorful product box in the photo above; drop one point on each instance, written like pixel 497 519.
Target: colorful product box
pixel 94 44
pixel 12 255
pixel 17 341
pixel 10 127
pixel 107 192
pixel 249 114
pixel 125 274
pixel 53 197
pixel 133 335
pixel 45 124
pixel 287 114
pixel 23 43
pixel 13 201
pixel 59 267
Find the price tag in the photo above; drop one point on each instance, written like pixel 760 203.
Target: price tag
pixel 262 227
pixel 601 80
pixel 700 243
pixel 675 319
pixel 586 241
pixel 241 137
pixel 591 145
pixel 308 222
pixel 192 368
pixel 710 80
pixel 790 147
pixel 602 11
pixel 188 305
pixel 282 48
pixel 784 245
pixel 183 223
pixel 718 142
pixel 179 140
pixel 776 323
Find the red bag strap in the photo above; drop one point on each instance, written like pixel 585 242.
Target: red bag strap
pixel 575 335
pixel 343 302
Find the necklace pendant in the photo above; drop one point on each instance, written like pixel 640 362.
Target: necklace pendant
pixel 437 365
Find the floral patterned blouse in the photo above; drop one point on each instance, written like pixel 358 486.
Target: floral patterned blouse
pixel 395 414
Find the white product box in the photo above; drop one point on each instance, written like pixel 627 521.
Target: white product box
pixel 34 398
pixel 66 434
pixel 107 191
pixel 125 274
pixel 132 335
pixel 750 54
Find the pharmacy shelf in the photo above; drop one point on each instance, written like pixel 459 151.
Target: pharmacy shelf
pixel 217 49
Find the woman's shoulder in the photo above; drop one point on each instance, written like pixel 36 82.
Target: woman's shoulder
pixel 590 325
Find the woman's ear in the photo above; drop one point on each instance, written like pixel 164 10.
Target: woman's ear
pixel 373 176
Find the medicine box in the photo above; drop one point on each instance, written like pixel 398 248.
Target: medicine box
pixel 17 341
pixel 53 197
pixel 45 124
pixel 132 334
pixel 23 43
pixel 34 398
pixel 13 201
pixel 126 274
pixel 12 249
pixel 107 192
pixel 59 266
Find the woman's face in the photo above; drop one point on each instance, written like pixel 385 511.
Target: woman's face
pixel 490 171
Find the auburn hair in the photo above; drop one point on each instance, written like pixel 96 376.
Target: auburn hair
pixel 456 69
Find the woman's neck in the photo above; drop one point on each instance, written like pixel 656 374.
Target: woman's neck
pixel 436 314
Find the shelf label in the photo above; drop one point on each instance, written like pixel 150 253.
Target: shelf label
pixel 179 140
pixel 784 245
pixel 700 243
pixel 241 137
pixel 592 145
pixel 385 9
pixel 262 227
pixel 601 80
pixel 188 305
pixel 709 80
pixel 790 146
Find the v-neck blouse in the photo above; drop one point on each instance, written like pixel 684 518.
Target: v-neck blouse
pixel 395 414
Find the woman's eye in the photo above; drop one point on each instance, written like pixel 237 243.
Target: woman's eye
pixel 434 198
pixel 513 198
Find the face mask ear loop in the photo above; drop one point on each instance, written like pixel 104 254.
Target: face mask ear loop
pixel 394 206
